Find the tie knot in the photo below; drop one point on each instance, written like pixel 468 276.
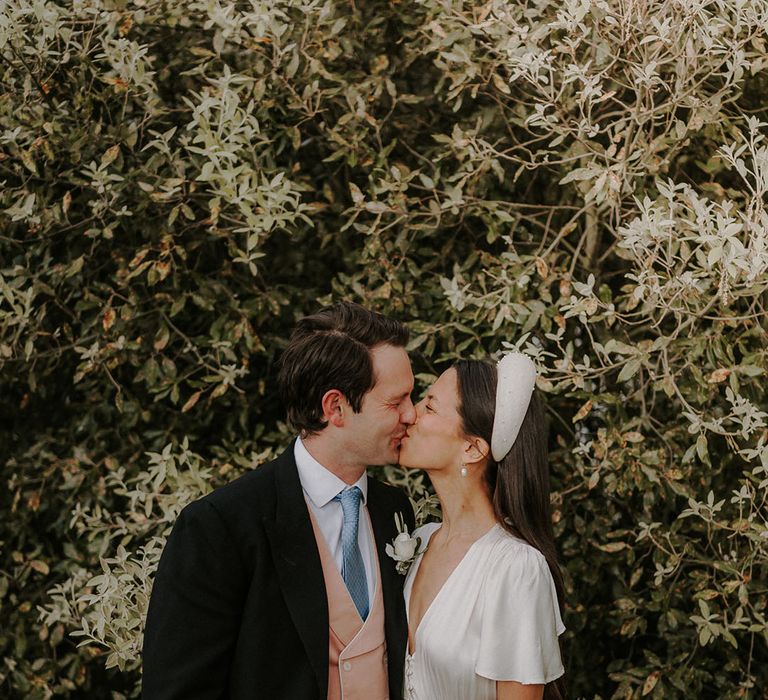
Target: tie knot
pixel 349 496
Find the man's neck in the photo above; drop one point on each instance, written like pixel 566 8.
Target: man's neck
pixel 334 458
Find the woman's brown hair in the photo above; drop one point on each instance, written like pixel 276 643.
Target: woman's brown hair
pixel 519 483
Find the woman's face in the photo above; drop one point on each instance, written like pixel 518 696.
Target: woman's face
pixel 436 441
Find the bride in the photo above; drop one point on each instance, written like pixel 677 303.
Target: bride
pixel 484 599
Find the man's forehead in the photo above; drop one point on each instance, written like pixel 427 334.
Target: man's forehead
pixel 392 370
pixel 389 358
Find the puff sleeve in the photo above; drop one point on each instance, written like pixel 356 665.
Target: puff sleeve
pixel 520 619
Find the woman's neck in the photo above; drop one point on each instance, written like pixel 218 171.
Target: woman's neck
pixel 465 504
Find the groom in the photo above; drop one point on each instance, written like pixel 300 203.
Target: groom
pixel 277 586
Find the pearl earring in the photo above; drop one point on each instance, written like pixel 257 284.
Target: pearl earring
pixel 464 471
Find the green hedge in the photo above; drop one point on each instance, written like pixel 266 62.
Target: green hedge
pixel 584 180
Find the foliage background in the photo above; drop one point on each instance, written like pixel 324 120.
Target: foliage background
pixel 584 179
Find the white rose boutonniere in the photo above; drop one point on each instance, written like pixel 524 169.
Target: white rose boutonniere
pixel 404 548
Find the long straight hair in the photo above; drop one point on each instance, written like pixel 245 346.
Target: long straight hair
pixel 518 484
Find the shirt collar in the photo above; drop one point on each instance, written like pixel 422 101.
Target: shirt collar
pixel 320 484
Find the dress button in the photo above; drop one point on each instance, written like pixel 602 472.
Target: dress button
pixel 347 666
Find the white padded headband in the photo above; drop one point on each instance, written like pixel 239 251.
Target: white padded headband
pixel 516 379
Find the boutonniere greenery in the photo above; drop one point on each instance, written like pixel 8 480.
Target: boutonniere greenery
pixel 404 548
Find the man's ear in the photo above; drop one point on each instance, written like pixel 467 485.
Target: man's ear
pixel 475 450
pixel 334 407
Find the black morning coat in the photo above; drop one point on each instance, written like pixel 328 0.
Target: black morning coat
pixel 239 609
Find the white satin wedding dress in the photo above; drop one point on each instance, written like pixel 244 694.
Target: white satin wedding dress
pixel 495 618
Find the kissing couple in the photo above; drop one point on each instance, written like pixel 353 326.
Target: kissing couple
pixel 282 585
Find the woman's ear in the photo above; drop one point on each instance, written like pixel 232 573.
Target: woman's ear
pixel 334 406
pixel 475 450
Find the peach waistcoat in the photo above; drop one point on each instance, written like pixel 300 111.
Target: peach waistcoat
pixel 357 658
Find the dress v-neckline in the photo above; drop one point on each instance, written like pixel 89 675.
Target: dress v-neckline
pixel 417 564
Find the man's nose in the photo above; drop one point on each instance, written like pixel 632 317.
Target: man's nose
pixel 408 415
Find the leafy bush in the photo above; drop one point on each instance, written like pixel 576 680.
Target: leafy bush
pixel 583 180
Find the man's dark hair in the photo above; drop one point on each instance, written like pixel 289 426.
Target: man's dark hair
pixel 331 350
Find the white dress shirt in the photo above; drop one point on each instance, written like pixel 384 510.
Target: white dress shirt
pixel 320 487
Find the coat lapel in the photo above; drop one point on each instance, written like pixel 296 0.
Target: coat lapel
pixel 298 566
pixel 384 531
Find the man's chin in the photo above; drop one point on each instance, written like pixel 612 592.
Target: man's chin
pixel 391 456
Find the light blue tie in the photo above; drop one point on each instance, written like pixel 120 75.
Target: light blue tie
pixel 352 569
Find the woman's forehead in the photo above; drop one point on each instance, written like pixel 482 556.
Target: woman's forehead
pixel 445 387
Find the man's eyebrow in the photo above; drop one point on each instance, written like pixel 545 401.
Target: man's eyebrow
pixel 432 397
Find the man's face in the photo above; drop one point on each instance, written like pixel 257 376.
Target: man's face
pixel 386 410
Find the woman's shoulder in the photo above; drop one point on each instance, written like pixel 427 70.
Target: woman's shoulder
pixel 511 556
pixel 520 618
